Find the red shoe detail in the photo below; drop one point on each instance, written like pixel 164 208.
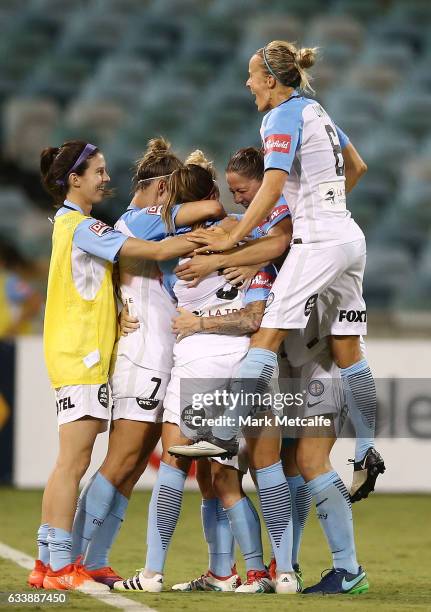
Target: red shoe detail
pixel 37 574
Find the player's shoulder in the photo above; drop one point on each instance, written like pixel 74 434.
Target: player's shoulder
pixel 91 226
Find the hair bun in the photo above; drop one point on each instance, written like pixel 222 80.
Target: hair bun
pixel 306 57
pixel 158 145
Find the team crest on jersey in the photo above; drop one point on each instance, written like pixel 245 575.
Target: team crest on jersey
pixel 154 210
pixel 100 229
pixel 316 388
pixel 277 143
pixel 262 280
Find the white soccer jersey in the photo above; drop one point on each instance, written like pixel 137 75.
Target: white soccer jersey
pixel 215 297
pixel 141 282
pixel 300 138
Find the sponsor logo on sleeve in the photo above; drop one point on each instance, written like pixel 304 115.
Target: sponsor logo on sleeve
pixel 277 143
pixel 154 210
pixel 278 210
pixel 100 229
pixel 262 280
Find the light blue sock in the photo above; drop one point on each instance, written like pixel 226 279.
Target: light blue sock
pixel 361 398
pixel 93 506
pixel 101 543
pixel 276 507
pixel 245 525
pixel 254 377
pixel 60 548
pixel 301 504
pixel 42 543
pixel 334 512
pixel 218 536
pixel 164 510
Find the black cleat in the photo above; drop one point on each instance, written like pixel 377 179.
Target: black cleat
pixel 365 474
pixel 211 447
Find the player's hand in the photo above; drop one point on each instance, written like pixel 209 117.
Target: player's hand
pixel 239 275
pixel 197 267
pixel 128 324
pixel 185 324
pixel 214 240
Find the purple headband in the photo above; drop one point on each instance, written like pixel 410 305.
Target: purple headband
pixel 87 151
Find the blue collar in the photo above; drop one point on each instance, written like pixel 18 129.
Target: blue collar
pixel 295 94
pixel 72 205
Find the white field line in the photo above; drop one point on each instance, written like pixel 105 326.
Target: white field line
pixel 111 599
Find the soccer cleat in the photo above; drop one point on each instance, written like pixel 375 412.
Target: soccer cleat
pixel 72 577
pixel 37 574
pixel 139 582
pixel 287 583
pixel 211 447
pixel 210 582
pixel 272 569
pixel 365 474
pixel 257 582
pixel 104 575
pixel 340 582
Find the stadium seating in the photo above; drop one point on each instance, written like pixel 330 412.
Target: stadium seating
pixel 121 71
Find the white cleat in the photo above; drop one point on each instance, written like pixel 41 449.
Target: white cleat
pixel 210 582
pixel 257 582
pixel 287 584
pixel 225 449
pixel 139 582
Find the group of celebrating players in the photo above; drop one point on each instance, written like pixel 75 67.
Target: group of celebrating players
pixel 207 301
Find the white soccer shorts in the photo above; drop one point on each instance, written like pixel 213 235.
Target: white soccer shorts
pixel 77 401
pixel 137 392
pixel 331 276
pixel 206 376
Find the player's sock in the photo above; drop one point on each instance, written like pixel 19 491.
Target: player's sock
pixel 60 548
pixel 93 506
pixel 218 536
pixel 276 507
pixel 301 504
pixel 254 376
pixel 334 512
pixel 42 543
pixel 360 391
pixel 245 526
pixel 164 510
pixel 104 537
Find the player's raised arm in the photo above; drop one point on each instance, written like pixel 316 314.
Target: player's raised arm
pixel 156 251
pixel 196 212
pixel 257 251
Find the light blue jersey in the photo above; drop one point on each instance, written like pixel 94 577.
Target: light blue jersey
pixel 300 138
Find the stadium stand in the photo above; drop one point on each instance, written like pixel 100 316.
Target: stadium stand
pixel 121 71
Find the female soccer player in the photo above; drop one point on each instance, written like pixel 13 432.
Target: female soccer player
pixel 79 335
pixel 310 459
pixel 142 362
pixel 303 160
pixel 210 357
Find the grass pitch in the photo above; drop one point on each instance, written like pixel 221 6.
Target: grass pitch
pixel 393 538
